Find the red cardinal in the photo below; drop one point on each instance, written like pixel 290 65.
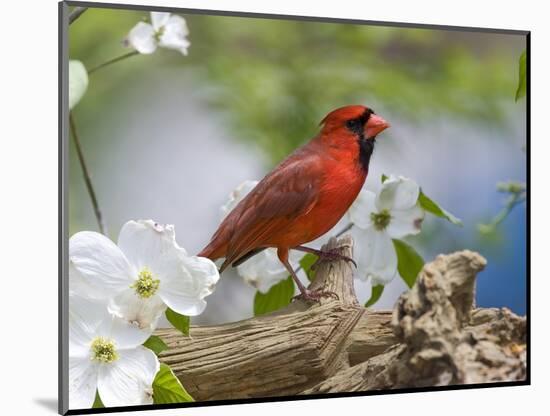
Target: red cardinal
pixel 304 196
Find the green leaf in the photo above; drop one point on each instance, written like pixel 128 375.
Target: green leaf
pixel 180 322
pixel 97 401
pixel 522 84
pixel 155 344
pixel 433 208
pixel 384 177
pixel 277 297
pixel 376 292
pixel 78 82
pixel 409 262
pixel 167 388
pixel 306 262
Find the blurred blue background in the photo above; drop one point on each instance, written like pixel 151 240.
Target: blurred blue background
pixel 168 137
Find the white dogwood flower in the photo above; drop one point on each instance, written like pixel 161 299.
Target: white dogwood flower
pixel 377 219
pixel 105 353
pixel 146 272
pixel 165 30
pixel 236 196
pixel 264 269
pixel 80 285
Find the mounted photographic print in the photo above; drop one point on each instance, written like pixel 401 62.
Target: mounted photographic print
pixel 266 208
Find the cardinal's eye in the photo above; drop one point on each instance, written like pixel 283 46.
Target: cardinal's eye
pixel 353 124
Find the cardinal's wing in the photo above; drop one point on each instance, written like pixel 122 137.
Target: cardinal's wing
pixel 287 193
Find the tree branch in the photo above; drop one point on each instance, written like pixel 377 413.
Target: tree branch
pixel 431 338
pixel 87 176
pixel 76 13
pixel 113 61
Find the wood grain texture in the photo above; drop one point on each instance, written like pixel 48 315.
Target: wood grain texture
pixel 432 337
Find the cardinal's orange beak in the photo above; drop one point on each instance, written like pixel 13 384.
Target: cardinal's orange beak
pixel 375 126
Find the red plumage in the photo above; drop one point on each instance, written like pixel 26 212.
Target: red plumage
pixel 305 195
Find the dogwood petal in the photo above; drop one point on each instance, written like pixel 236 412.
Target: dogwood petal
pixel 148 244
pixel 376 257
pixel 363 241
pixel 124 334
pixel 82 382
pixel 100 262
pixel 264 269
pixel 185 291
pixel 405 222
pixel 174 34
pixel 397 193
pixel 361 209
pixel 236 196
pixel 85 319
pixel 142 38
pixel 141 312
pixel 128 380
pixel 159 19
pixel 78 82
pixel 78 285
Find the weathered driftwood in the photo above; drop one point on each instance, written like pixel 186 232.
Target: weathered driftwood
pixel 433 337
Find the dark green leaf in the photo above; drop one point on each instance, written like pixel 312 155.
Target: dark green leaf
pixel 306 262
pixel 522 84
pixel 409 262
pixel 277 297
pixel 180 322
pixel 155 344
pixel 168 389
pixel 384 177
pixel 433 208
pixel 97 401
pixel 375 295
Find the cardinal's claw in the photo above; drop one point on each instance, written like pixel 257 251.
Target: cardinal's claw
pixel 349 259
pixel 332 255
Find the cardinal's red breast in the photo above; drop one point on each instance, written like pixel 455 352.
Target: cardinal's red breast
pixel 306 194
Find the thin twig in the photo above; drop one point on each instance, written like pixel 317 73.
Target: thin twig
pixel 112 61
pixel 76 13
pixel 344 230
pixel 87 177
pixel 514 200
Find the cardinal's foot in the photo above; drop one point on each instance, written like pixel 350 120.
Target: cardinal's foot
pixel 316 295
pixel 331 255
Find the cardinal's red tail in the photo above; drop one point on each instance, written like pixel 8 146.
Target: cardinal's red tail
pixel 213 251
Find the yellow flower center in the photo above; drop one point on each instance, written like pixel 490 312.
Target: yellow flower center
pixel 103 350
pixel 145 285
pixel 380 219
pixel 158 34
